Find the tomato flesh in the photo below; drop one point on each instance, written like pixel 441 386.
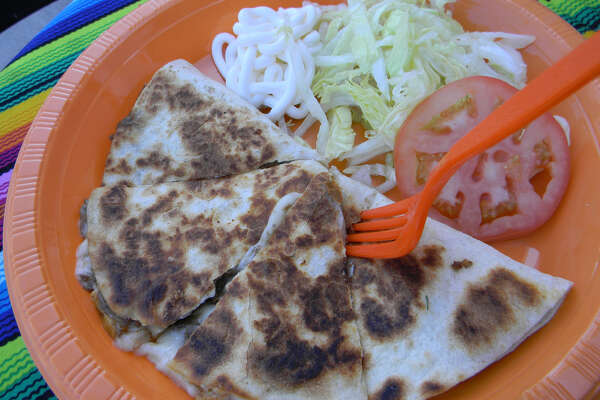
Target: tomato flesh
pixel 509 190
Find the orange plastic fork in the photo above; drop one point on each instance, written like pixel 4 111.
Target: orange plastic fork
pixel 400 234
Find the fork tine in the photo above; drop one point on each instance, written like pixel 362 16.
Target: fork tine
pixel 380 224
pixel 401 241
pixel 375 250
pixel 388 211
pixel 376 236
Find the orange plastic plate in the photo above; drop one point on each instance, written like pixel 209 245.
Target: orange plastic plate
pixel 63 156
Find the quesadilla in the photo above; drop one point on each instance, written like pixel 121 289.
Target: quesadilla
pixel 185 126
pixel 239 288
pixel 285 328
pixel 441 314
pixel 155 252
pixel 302 321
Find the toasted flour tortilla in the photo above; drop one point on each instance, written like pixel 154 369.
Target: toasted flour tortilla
pixel 297 336
pixel 185 126
pixel 300 320
pixel 441 314
pixel 155 252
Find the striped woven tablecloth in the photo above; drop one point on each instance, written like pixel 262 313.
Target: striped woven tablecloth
pixel 24 85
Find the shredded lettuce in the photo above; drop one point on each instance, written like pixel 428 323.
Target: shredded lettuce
pixel 341 132
pixel 363 173
pixel 380 58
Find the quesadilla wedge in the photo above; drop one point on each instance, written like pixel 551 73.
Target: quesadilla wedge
pixel 441 314
pixel 185 126
pixel 154 252
pixel 293 334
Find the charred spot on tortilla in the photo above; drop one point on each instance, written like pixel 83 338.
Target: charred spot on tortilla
pixel 351 216
pixel 197 136
pixel 223 192
pixel 318 209
pixel 195 186
pixel 263 269
pixel 487 310
pixel 284 172
pixel 398 284
pixel 140 279
pixel 156 160
pixel 431 388
pixel 203 135
pixel 385 324
pixel 431 256
pixel 267 296
pixel 177 97
pixel 289 360
pixel 112 323
pixel 156 92
pixel 402 273
pixel 363 276
pixel 212 158
pixel 514 287
pixel 235 289
pixel 392 389
pixel 296 184
pixel 225 384
pixel 127 126
pixel 162 204
pixel 304 241
pixel 200 231
pixel 121 168
pixel 186 99
pixel 256 220
pixel 131 234
pixel 206 236
pixel 123 183
pixel 326 305
pixel 483 316
pixel 112 204
pixel 462 264
pixel 209 188
pixel 209 346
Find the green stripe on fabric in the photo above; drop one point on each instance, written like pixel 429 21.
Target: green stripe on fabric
pixel 33 84
pixel 16 363
pixel 30 385
pixel 569 7
pixel 588 15
pixel 68 44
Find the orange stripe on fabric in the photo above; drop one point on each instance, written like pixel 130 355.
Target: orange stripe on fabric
pixel 13 138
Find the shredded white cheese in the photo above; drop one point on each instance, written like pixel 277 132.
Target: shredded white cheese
pixel 564 124
pixel 270 62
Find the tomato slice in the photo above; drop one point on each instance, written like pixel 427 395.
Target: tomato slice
pixel 505 192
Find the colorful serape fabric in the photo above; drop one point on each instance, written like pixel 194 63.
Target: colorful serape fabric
pixel 583 15
pixel 24 85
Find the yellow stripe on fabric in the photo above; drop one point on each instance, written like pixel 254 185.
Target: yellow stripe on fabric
pixel 16 363
pixel 68 44
pixel 21 114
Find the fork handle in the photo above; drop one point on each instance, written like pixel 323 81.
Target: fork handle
pixel 550 87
